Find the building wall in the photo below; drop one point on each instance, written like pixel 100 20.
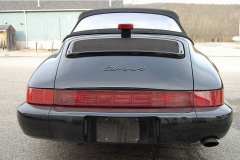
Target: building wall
pixel 48 27
pixel 15 19
pixel 42 27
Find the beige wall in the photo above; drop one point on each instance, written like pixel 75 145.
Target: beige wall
pixel 3 37
pixel 40 44
pixel 20 44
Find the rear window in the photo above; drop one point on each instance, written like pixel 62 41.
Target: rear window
pixel 114 45
pixel 139 21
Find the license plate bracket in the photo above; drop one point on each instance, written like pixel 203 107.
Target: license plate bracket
pixel 118 130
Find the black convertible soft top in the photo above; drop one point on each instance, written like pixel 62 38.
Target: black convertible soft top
pixel 168 13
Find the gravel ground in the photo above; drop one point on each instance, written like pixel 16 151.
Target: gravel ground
pixel 16 70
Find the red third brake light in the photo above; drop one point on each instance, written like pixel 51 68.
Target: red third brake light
pixel 125 26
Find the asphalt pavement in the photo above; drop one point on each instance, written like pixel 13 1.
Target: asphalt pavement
pixel 16 70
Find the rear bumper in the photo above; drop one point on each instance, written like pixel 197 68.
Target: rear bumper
pixel 77 126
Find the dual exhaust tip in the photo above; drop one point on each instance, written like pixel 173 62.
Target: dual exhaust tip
pixel 209 142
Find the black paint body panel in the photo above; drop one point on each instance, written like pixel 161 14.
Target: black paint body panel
pixel 44 76
pixel 206 76
pixel 161 73
pixel 33 120
pixel 215 122
pixel 173 127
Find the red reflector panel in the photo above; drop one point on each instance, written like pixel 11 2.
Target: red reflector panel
pixel 208 98
pixel 40 96
pixel 125 26
pixel 123 98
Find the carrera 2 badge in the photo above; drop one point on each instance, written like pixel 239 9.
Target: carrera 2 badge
pixel 124 69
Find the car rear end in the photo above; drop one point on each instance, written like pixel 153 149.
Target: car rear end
pixel 111 89
pixel 124 97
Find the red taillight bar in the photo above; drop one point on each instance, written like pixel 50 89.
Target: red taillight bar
pixel 125 26
pixel 40 96
pixel 208 98
pixel 125 98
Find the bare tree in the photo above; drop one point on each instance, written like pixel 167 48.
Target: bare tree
pixel 204 22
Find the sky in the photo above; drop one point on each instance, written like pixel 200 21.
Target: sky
pixel 182 1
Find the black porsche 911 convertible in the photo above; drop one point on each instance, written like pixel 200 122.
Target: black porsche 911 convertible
pixel 127 76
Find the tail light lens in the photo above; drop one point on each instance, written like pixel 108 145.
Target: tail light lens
pixel 40 96
pixel 125 98
pixel 208 98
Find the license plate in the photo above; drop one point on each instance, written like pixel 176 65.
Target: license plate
pixel 117 129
